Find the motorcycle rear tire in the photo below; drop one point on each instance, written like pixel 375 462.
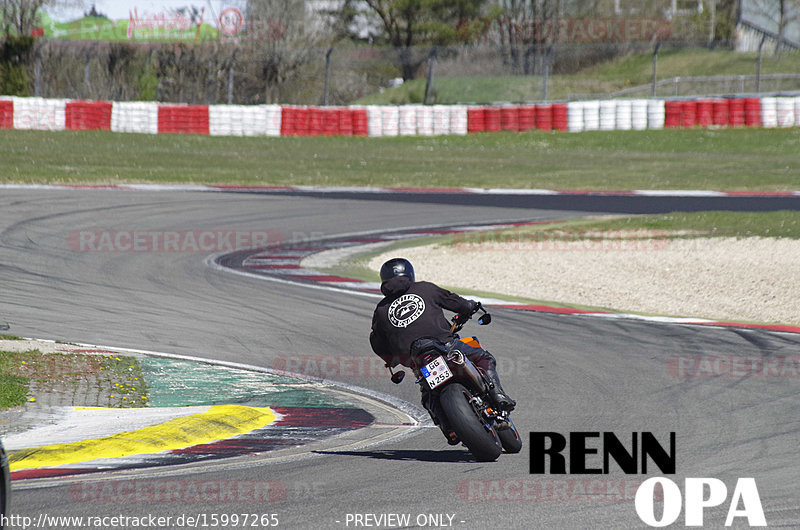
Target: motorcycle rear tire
pixel 481 440
pixel 510 439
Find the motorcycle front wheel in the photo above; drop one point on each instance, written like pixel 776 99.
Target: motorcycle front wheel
pixel 481 439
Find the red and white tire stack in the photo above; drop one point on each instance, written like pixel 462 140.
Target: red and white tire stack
pixel 390 120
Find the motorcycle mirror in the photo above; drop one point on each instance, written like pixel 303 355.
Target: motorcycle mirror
pixel 485 319
pixel 397 377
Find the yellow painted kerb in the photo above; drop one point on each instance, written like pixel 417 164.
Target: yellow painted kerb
pixel 218 423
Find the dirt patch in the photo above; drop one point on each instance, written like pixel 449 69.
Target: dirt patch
pixel 749 279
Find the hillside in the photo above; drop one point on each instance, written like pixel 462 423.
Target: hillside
pixel 625 72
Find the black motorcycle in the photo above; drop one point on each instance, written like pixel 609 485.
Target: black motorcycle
pixel 456 393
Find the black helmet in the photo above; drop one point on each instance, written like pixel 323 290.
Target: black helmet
pixel 397 267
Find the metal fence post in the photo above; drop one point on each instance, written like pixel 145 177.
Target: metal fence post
pixel 546 80
pixel 37 72
pixel 327 75
pixel 655 67
pixel 429 82
pixel 758 70
pixel 210 83
pixel 86 86
pixel 230 78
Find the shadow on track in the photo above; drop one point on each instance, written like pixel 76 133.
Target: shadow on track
pixel 410 455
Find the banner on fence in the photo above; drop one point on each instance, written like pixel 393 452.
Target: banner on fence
pixel 148 21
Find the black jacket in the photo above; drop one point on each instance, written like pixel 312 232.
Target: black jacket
pixel 409 311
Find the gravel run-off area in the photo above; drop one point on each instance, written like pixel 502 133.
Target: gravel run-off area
pixel 746 280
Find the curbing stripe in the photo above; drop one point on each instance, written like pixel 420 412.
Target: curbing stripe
pixel 218 423
pixel 319 280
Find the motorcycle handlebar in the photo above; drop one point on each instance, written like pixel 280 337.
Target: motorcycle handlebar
pixel 458 323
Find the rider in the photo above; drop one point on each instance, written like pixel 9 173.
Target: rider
pixel 412 311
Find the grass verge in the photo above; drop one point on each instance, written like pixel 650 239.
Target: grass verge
pixel 13 390
pixel 724 159
pixel 604 78
pixel 82 380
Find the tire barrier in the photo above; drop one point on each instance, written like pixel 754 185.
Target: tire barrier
pixel 781 111
pixel 186 119
pixel 88 116
pixel 624 115
pixel 560 117
pixel 656 113
pixel 785 112
pixel 575 116
pixel 591 115
pixel 606 116
pixel 39 114
pixel 492 119
pixel 244 120
pixel 509 118
pixel 752 112
pixel 134 117
pixel 736 113
pixel 6 114
pixel 527 117
pixel 640 114
pixel 720 114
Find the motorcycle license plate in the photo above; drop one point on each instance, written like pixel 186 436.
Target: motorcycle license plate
pixel 436 372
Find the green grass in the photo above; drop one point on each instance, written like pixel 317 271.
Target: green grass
pixel 780 224
pixel 15 377
pixel 619 74
pixel 119 378
pixel 13 390
pixel 728 159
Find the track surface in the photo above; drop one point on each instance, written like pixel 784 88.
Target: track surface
pixel 567 373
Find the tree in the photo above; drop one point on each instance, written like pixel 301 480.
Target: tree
pixel 528 24
pixel 410 23
pixel 22 16
pixel 14 53
pixel 287 37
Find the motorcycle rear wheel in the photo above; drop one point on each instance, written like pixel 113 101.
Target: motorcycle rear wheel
pixel 510 439
pixel 481 440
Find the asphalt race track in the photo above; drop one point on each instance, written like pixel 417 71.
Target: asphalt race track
pixel 568 373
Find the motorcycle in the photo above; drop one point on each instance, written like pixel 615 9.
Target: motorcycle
pixel 457 394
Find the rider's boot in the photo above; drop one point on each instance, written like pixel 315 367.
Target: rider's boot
pixel 499 395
